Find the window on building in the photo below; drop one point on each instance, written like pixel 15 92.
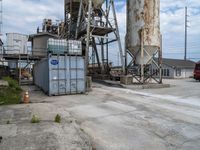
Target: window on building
pixel 178 72
pixel 168 72
pixel 165 72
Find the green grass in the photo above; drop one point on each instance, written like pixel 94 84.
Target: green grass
pixel 11 94
pixel 57 118
pixel 35 119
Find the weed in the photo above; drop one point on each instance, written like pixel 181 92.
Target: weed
pixel 8 122
pixel 35 119
pixel 11 94
pixel 82 129
pixel 57 118
pixel 12 83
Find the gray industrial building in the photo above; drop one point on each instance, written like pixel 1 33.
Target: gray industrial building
pixel 177 68
pixel 39 43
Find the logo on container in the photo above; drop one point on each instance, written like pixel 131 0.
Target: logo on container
pixel 54 62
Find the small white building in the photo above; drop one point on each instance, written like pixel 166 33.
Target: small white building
pixel 177 69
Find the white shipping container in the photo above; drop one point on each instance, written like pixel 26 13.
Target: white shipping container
pixel 61 75
pixel 16 43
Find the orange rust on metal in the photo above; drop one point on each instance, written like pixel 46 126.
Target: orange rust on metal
pixel 149 18
pixel 143 15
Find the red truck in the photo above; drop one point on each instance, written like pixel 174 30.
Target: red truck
pixel 197 71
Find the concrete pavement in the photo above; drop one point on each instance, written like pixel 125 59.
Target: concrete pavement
pixel 123 119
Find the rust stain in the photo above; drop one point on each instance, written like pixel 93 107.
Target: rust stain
pixel 143 13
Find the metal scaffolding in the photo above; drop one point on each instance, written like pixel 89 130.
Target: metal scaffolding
pixel 97 27
pixel 145 72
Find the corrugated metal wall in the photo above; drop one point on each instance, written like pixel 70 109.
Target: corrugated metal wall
pixel 61 75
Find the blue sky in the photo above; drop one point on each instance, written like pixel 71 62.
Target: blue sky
pixel 23 16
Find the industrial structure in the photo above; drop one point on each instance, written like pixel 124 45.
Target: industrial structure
pixel 89 27
pixel 17 55
pixel 96 25
pixel 143 40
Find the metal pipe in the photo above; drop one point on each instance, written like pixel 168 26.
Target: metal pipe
pixel 118 37
pixel 79 18
pixel 88 36
pixel 107 37
pixel 126 59
pixel 160 59
pixel 142 56
pixel 102 56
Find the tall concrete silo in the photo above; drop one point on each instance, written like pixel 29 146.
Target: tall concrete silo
pixel 143 31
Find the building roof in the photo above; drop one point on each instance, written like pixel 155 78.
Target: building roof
pixel 179 63
pixel 41 34
pixel 14 33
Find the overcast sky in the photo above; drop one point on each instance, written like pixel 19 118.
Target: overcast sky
pixel 23 16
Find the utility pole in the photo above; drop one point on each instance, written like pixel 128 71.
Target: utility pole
pixel 186 27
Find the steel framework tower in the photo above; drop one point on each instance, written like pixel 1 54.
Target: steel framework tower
pixel 96 25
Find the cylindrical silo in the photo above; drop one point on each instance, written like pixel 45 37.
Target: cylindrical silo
pixel 143 15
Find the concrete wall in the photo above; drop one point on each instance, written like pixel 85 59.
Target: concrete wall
pixel 40 45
